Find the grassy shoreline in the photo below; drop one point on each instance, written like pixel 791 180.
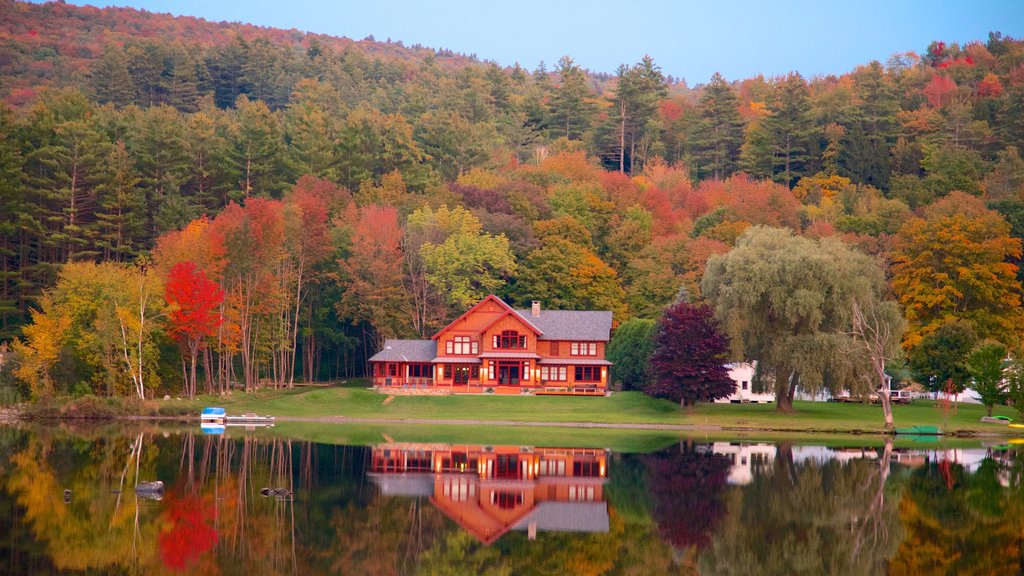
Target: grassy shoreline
pixel 622 411
pixel 626 410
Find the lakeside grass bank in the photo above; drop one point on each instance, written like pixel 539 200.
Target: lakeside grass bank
pixel 622 408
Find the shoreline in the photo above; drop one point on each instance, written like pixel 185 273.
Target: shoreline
pixel 11 417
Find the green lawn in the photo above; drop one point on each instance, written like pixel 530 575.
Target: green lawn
pixel 620 408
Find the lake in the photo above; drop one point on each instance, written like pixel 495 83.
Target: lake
pixel 81 500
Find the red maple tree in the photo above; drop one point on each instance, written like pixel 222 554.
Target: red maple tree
pixel 195 312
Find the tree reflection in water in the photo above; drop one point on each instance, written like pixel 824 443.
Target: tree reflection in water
pixel 711 508
pixel 806 517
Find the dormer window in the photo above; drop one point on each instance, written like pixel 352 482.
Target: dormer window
pixel 509 339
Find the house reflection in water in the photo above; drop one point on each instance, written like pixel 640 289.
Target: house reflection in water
pixel 489 490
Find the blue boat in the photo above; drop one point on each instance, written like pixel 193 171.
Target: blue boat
pixel 213 415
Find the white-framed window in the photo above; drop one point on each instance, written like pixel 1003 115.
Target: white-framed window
pixel 581 493
pixel 583 348
pixel 553 373
pixel 462 345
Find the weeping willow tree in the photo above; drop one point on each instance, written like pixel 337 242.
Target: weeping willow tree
pixel 789 303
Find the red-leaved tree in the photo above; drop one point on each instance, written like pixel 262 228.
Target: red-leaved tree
pixel 690 351
pixel 195 313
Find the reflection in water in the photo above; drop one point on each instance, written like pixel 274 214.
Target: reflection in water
pixel 259 505
pixel 490 490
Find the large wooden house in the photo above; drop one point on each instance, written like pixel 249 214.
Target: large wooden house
pixel 494 348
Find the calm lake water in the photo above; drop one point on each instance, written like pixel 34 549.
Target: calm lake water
pixel 254 503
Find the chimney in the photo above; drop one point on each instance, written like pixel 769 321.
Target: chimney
pixel 535 309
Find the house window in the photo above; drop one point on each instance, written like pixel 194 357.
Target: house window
pixel 553 373
pixel 392 370
pixel 554 348
pixel 745 384
pixel 588 374
pixel 507 500
pixel 581 493
pixel 583 348
pixel 589 469
pixel 461 345
pixel 461 373
pixel 509 339
pixel 421 370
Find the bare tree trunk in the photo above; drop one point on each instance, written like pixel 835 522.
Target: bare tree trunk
pixel 622 136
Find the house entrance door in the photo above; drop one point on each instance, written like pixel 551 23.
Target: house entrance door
pixel 508 373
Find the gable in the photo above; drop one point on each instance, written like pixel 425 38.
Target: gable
pixel 485 313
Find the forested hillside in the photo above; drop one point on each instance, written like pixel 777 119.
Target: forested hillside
pixel 338 192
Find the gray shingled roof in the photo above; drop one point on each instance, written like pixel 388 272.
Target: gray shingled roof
pixel 589 325
pixel 567 517
pixel 406 351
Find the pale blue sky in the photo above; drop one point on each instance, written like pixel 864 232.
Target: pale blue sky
pixel 690 40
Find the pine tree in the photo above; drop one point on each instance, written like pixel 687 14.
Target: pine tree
pixel 719 133
pixel 111 82
pixel 120 214
pixel 12 210
pixel 571 106
pixel 790 128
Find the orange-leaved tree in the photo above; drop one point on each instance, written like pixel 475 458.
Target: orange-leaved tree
pixel 953 265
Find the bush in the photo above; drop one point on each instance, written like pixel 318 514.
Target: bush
pixel 9 396
pixel 90 407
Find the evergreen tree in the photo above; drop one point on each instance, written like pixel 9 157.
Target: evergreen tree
pixel 13 210
pixel 639 90
pixel 571 106
pixel 790 129
pixel 121 208
pixel 111 82
pixel 872 133
pixel 718 136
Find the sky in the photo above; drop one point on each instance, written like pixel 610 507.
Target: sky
pixel 687 39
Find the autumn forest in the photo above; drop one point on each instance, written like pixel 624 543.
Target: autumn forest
pixel 188 205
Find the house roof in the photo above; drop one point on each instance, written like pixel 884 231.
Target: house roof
pixel 511 355
pixel 500 302
pixel 457 360
pixel 581 325
pixel 406 351
pixel 574 361
pixel 413 484
pixel 567 517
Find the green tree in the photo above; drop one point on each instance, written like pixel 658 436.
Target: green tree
pixel 718 136
pixel 571 105
pixel 121 210
pixel 938 360
pixel 872 132
pixel 790 128
pixel 111 82
pixel 630 352
pixel 785 301
pixel 639 90
pixel 465 264
pixel 986 364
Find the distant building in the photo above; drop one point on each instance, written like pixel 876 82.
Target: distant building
pixel 498 349
pixel 742 374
